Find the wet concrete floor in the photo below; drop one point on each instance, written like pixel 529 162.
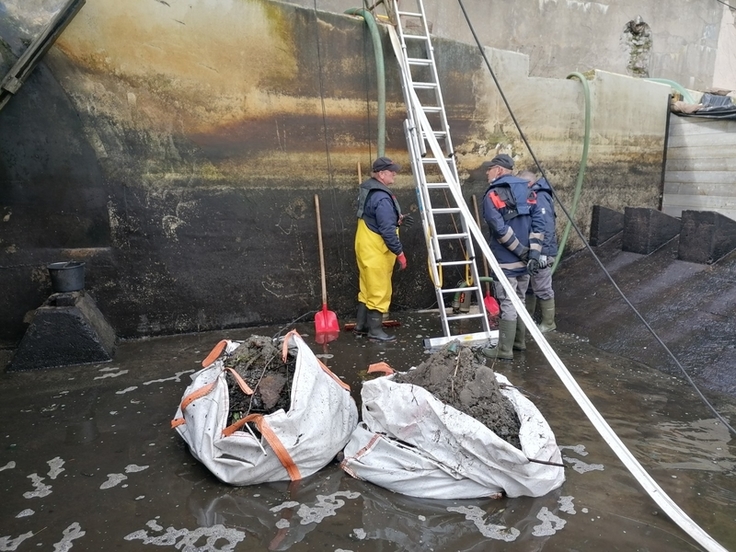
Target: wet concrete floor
pixel 89 462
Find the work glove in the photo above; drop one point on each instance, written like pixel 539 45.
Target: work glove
pixel 406 221
pixel 532 267
pixel 402 260
pixel 543 261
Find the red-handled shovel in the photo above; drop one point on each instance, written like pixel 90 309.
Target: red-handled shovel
pixel 326 326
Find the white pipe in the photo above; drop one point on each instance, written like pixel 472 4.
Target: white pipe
pixel 637 470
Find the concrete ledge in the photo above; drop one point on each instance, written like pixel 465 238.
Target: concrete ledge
pixel 646 230
pixel 605 223
pixel 706 236
pixel 67 329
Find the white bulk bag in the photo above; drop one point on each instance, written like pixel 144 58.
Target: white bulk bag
pixel 412 443
pixel 293 445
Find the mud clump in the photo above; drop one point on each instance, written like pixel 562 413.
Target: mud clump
pixel 456 377
pixel 258 362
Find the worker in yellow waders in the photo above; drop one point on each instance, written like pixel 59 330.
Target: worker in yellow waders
pixel 377 247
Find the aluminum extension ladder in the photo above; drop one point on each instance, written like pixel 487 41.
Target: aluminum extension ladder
pixel 439 209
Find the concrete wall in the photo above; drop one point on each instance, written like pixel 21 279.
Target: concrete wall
pixel 688 42
pixel 724 72
pixel 176 148
pixel 700 173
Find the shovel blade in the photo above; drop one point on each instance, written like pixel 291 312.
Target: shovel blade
pixel 325 321
pixel 491 305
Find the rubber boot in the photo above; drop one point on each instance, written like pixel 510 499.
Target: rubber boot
pixel 361 322
pixel 375 327
pixel 520 337
pixel 531 304
pixel 504 348
pixel 547 307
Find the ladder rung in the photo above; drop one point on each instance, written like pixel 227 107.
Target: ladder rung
pixel 409 14
pixel 455 290
pixel 446 210
pixel 437 185
pixel 455 263
pixel 481 337
pixel 431 109
pixel 423 37
pixel 464 316
pixel 433 160
pixel 438 134
pixel 452 236
pixel 424 85
pixel 419 61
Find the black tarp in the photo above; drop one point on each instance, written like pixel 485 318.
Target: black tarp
pixel 714 107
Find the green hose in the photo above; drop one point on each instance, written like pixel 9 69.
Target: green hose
pixel 681 89
pixel 380 72
pixel 581 171
pixel 463 283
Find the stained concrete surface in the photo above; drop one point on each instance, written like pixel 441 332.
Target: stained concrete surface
pixel 690 306
pixel 89 462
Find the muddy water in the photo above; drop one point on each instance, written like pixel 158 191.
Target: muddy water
pixel 88 462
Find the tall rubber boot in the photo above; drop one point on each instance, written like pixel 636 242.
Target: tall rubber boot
pixel 361 321
pixel 547 307
pixel 375 327
pixel 531 304
pixel 520 336
pixel 504 348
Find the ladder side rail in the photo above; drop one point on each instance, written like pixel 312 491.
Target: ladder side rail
pixel 413 141
pixel 428 221
pixel 449 151
pixel 438 91
pixel 415 107
pixel 418 149
pixel 406 75
pixel 415 155
pixel 430 231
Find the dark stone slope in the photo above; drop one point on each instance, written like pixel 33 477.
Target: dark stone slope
pixel 691 307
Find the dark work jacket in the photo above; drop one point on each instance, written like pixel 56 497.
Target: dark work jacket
pixel 380 210
pixel 510 209
pixel 546 204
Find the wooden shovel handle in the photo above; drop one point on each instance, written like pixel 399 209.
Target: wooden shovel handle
pixel 477 221
pixel 321 251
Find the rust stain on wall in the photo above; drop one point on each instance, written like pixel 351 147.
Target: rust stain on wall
pixel 245 83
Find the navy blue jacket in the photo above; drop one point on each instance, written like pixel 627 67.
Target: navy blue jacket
pixel 515 222
pixel 380 210
pixel 546 204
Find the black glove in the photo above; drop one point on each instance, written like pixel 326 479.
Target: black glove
pixel 406 221
pixel 532 267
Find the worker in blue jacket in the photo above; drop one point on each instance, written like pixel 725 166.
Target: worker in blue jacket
pixel 378 247
pixel 516 235
pixel 541 283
